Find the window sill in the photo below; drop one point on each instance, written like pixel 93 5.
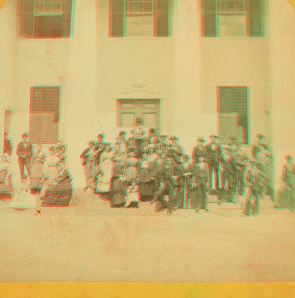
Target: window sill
pixel 233 37
pixel 140 37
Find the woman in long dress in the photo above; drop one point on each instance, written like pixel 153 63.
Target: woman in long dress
pixel 146 184
pixel 118 188
pixel 59 193
pixel 50 169
pixel 6 188
pixel 37 168
pixel 131 167
pixel 106 171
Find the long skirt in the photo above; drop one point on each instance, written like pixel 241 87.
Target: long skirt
pixel 23 200
pixel 59 194
pixel 105 179
pixel 147 190
pixel 118 192
pixel 37 175
pixel 5 189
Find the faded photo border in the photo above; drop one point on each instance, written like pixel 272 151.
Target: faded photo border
pixel 142 290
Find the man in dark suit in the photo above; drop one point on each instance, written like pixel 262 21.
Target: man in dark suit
pixel 199 151
pixel 289 179
pixel 24 152
pixel 215 154
pixel 202 182
pixel 100 147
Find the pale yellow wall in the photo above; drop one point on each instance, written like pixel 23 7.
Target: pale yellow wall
pixel 282 80
pixel 7 60
pixel 132 67
pixel 183 70
pixel 235 62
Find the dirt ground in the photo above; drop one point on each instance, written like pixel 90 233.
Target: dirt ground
pixel 103 244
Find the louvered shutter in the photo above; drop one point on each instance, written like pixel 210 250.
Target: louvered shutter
pixel 162 17
pixel 209 17
pixel 117 8
pixel 44 114
pixel 256 18
pixel 27 18
pixel 234 100
pixel 67 18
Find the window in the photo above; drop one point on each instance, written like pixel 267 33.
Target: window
pixel 233 113
pixel 233 18
pixel 45 114
pixel 45 18
pixel 147 109
pixel 140 18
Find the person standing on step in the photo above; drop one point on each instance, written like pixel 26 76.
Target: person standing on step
pixel 202 179
pixel 215 154
pixel 25 152
pixel 200 151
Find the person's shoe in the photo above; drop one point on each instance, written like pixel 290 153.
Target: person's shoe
pixel 197 210
pixel 207 210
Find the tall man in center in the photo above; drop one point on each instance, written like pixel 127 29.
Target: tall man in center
pixel 215 154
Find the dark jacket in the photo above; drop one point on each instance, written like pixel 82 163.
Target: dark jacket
pixel 24 151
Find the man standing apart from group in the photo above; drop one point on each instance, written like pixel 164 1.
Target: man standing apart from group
pixel 24 152
pixel 289 179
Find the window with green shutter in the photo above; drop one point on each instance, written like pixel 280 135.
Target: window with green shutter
pixel 45 18
pixel 140 18
pixel 233 113
pixel 45 114
pixel 233 18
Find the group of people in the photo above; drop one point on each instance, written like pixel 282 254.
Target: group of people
pixel 142 166
pixel 40 172
pixel 145 167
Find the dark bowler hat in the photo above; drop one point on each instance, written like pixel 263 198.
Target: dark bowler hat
pixel 214 137
pixel 52 148
pixel 131 149
pixel 101 135
pixel 174 138
pixel 92 142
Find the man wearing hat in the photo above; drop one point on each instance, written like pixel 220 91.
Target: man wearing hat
pixel 259 143
pixel 24 151
pixel 169 174
pixel 89 162
pixel 256 180
pixel 177 149
pixel 289 179
pixel 99 147
pixel 199 151
pixel 240 162
pixel 215 153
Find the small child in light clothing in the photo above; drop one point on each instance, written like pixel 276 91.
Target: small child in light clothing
pixel 132 196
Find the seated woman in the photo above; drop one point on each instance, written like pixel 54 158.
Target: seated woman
pixel 59 192
pixel 23 198
pixel 6 188
pixel 37 168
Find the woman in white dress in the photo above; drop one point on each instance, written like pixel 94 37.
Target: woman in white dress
pixel 106 170
pixel 50 169
pixel 5 176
